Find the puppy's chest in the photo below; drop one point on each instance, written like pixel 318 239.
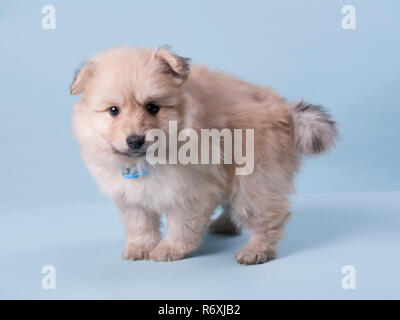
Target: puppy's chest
pixel 151 192
pixel 161 190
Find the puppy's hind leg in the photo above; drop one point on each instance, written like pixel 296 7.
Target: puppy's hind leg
pixel 224 224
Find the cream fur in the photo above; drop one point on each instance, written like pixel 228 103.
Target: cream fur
pixel 187 194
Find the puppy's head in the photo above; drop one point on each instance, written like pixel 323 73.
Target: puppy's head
pixel 127 92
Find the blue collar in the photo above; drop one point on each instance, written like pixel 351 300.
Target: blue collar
pixel 133 174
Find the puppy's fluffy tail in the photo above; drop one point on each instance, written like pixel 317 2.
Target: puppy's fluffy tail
pixel 314 131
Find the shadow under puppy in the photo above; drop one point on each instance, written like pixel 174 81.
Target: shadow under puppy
pixel 127 92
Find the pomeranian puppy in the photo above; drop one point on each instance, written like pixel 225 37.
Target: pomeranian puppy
pixel 129 92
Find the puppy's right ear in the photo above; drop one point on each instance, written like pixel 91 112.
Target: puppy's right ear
pixel 82 76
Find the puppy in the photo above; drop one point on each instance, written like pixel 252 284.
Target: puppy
pixel 129 92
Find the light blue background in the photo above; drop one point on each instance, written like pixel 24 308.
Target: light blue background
pixel 297 47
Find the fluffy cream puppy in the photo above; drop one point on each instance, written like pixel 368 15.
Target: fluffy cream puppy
pixel 127 92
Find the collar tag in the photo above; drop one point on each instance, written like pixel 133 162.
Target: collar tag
pixel 133 174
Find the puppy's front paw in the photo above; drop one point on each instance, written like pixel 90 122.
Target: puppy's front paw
pixel 166 252
pixel 137 251
pixel 252 256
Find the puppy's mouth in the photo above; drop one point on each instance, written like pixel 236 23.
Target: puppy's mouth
pixel 130 153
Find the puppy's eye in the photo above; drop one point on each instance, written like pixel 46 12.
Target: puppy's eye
pixel 114 111
pixel 152 108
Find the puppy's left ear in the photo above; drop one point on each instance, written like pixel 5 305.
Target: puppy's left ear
pixel 173 65
pixel 82 76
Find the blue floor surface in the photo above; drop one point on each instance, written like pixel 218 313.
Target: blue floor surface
pixel 84 243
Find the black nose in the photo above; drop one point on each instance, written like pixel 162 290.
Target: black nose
pixel 135 142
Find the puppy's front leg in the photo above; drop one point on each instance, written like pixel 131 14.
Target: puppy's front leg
pixel 141 229
pixel 184 234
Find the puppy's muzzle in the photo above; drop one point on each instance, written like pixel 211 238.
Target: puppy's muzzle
pixel 135 142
